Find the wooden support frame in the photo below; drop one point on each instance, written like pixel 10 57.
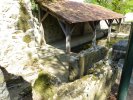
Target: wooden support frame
pixel 66 28
pixel 119 23
pixel 44 17
pixel 41 16
pixel 41 26
pixel 94 25
pixel 109 23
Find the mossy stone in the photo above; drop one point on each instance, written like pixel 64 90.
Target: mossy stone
pixel 44 85
pixel 27 38
pixel 22 23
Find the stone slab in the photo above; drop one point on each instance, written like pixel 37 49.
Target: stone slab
pixel 119 50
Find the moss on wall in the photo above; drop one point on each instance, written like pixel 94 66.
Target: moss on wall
pixel 44 85
pixel 22 23
pixel 27 38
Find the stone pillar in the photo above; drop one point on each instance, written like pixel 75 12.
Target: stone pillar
pixel 4 94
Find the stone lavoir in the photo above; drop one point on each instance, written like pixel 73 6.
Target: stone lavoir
pixel 44 69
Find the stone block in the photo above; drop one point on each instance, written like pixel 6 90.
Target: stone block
pixel 79 64
pixel 73 68
pixel 119 50
pixel 89 87
pixel 92 56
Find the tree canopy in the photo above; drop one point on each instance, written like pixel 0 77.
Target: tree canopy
pixel 120 6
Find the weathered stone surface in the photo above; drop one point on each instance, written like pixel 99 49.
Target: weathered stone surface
pixel 119 50
pixel 85 59
pixel 45 87
pixel 4 94
pixel 74 69
pixel 95 86
pixel 121 63
pixel 91 56
pixel 18 44
pixel 121 45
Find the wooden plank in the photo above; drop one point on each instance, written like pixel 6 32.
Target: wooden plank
pixel 62 25
pixel 73 28
pixel 44 17
pixel 65 10
pixel 39 13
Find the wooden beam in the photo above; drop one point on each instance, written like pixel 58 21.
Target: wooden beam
pixel 39 13
pixel 82 30
pixel 81 65
pixel 119 24
pixel 94 27
pixel 109 23
pixel 42 40
pixel 73 28
pixel 62 27
pixel 44 17
pixel 117 21
pixel 68 39
pixel 67 31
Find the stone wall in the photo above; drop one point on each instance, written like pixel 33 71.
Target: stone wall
pixel 119 50
pixel 20 36
pixel 53 31
pixel 125 27
pixel 81 63
pixel 94 86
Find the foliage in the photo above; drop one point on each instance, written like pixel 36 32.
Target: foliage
pixel 120 6
pixel 34 8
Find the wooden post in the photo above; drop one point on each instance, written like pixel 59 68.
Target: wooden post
pixel 94 27
pixel 67 31
pixel 109 23
pixel 118 21
pixel 68 39
pixel 42 39
pixel 94 39
pixel 109 32
pixel 39 13
pixel 68 45
pixel 81 65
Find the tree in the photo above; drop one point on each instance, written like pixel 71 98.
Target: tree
pixel 120 6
